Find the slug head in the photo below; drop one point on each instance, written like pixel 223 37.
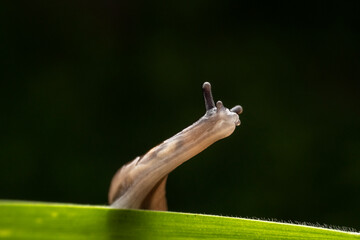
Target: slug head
pixel 224 120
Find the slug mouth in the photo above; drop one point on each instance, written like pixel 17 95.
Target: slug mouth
pixel 235 117
pixel 238 122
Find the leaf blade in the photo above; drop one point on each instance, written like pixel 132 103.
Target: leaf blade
pixel 28 220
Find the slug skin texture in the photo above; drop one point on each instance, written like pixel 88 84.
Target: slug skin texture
pixel 140 184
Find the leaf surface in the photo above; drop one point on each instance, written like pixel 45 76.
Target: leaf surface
pixel 29 220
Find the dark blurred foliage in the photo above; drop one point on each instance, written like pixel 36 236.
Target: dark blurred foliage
pixel 87 86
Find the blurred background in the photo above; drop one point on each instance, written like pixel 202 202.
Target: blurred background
pixel 88 86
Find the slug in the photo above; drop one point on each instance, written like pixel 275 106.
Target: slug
pixel 140 184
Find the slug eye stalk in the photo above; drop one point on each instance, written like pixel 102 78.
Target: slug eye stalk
pixel 141 183
pixel 209 100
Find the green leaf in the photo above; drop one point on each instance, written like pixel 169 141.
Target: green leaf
pixel 28 220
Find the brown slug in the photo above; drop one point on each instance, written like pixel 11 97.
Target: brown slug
pixel 140 184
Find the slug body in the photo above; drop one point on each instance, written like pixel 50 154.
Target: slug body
pixel 140 184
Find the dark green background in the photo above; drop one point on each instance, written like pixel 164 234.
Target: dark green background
pixel 87 86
